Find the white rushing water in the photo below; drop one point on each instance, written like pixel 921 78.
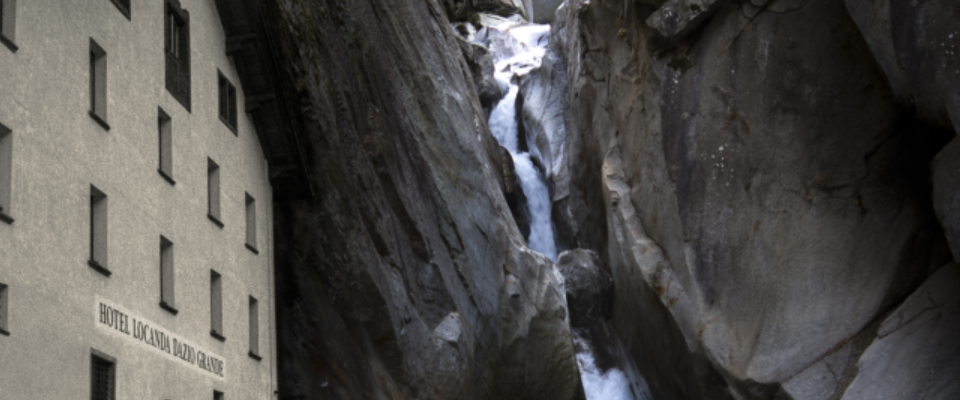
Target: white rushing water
pixel 517 50
pixel 515 54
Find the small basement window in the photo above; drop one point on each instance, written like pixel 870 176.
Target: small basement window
pixel 98 84
pixel 98 231
pixel 177 51
pixel 228 102
pixel 217 395
pixel 102 376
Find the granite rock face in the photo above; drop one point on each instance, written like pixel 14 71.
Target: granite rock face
pixel 406 276
pixel 462 10
pixel 917 44
pixel 588 285
pixel 763 193
pixel 946 193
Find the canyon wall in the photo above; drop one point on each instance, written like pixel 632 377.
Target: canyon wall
pixel 762 170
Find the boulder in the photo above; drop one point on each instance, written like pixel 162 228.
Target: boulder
pixel 763 198
pixel 588 285
pixel 917 44
pixel 481 68
pixel 946 193
pixel 462 10
pixel 542 11
pixel 916 354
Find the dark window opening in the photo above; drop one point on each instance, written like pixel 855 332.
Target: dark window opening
pixel 216 306
pixel 98 231
pixel 167 276
pixel 4 312
pixel 177 51
pixel 165 140
pixel 251 211
pixel 98 84
pixel 6 173
pixel 102 377
pixel 7 23
pixel 254 318
pixel 213 192
pixel 123 6
pixel 228 102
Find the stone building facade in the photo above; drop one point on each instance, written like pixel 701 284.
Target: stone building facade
pixel 136 253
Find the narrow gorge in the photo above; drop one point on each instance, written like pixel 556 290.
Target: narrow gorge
pixel 621 199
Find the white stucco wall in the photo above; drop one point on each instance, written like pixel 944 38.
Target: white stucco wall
pixel 59 152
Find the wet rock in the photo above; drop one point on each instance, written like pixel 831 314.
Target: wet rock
pixel 763 196
pixel 916 354
pixel 462 10
pixel 676 18
pixel 406 277
pixel 543 10
pixel 589 285
pixel 917 44
pixel 481 67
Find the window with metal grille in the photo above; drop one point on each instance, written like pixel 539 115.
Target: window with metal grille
pixel 123 6
pixel 228 102
pixel 6 173
pixel 177 51
pixel 102 376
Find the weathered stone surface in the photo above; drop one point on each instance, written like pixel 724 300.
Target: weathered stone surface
pixel 946 193
pixel 462 10
pixel 588 284
pixel 917 44
pixel 543 11
pixel 676 18
pixel 765 198
pixel 406 277
pixel 481 67
pixel 916 354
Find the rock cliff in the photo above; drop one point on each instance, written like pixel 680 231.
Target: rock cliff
pixel 771 185
pixel 405 277
pixel 762 168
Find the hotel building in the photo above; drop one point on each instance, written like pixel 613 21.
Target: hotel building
pixel 142 143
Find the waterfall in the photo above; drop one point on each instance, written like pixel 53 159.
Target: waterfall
pixel 516 53
pixel 518 49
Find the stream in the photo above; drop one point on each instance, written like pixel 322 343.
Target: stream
pixel 518 49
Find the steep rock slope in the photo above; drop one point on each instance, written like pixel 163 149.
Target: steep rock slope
pixel 759 191
pixel 406 276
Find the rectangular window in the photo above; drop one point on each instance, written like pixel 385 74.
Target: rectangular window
pixel 123 6
pixel 228 102
pixel 166 276
pixel 8 23
pixel 217 395
pixel 216 305
pixel 213 192
pixel 177 49
pixel 251 223
pixel 166 146
pixel 98 84
pixel 4 312
pixel 6 173
pixel 254 329
pixel 102 376
pixel 98 231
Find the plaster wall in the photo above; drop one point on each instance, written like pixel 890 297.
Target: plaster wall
pixel 59 151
